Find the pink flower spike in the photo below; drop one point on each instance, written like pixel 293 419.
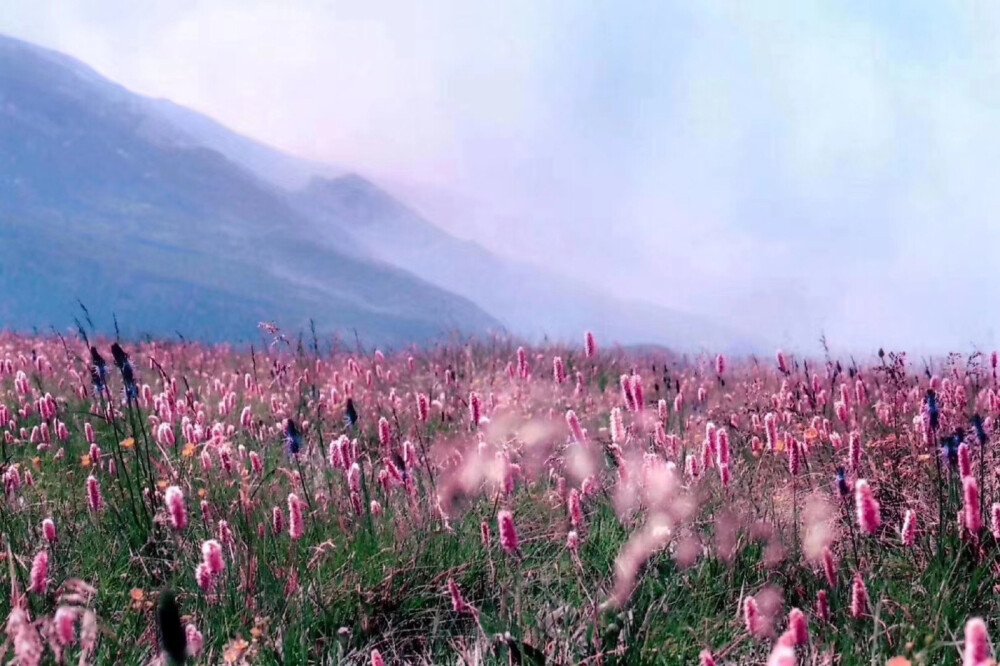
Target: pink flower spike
pixel 868 510
pixel 176 509
pixel 39 580
pixel 49 530
pixel 508 533
pixel 977 644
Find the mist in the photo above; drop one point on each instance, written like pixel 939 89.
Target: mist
pixel 791 171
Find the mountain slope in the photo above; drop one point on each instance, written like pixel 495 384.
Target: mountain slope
pixel 529 300
pixel 100 201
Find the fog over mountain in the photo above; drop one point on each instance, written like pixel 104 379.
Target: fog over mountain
pixel 175 222
pixel 104 200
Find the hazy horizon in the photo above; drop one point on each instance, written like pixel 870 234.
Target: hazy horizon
pixel 786 171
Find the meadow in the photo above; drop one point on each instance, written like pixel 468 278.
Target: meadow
pixel 477 502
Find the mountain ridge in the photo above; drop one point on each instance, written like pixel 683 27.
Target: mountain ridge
pixel 77 161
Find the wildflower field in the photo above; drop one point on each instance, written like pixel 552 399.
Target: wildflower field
pixel 480 503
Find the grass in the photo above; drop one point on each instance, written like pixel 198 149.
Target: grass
pixel 358 581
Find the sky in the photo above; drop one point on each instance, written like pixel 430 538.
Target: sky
pixel 790 168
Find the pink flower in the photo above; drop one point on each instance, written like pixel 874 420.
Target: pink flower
pixel 720 364
pixel 558 370
pixel 575 508
pixel 829 567
pixel 964 460
pixel 226 534
pixel 64 624
pixel 475 408
pixel 211 554
pixel 628 397
pixel 639 393
pixel 296 526
pixel 49 530
pixel 256 464
pixel 40 573
pixel 823 605
pixel 377 658
pixel 195 641
pixel 458 604
pixel 94 497
pixel 574 426
pixel 203 575
pixel 782 655
pixel 384 432
pixel 706 659
pixel 522 363
pixel 867 507
pixel 589 345
pixel 909 530
pixel 165 435
pixel 508 532
pixel 854 449
pixel 751 615
pixel 617 426
pixel 794 455
pixel 354 478
pixel 277 520
pixel 995 520
pixel 28 649
pixel 972 506
pixel 573 542
pixel 246 418
pixel 782 362
pixel 423 408
pixel 859 598
pixel 95 455
pixel 722 450
pixel 485 535
pixel 977 644
pixel 176 509
pixel 799 626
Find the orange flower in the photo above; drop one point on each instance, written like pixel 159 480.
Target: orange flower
pixel 128 444
pixel 85 460
pixel 188 451
pixel 235 651
pixel 811 434
pixel 202 493
pixel 898 661
pixel 137 594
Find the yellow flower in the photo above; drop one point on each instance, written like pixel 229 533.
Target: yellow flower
pixel 128 444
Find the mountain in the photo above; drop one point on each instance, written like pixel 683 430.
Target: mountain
pixel 529 300
pixel 140 208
